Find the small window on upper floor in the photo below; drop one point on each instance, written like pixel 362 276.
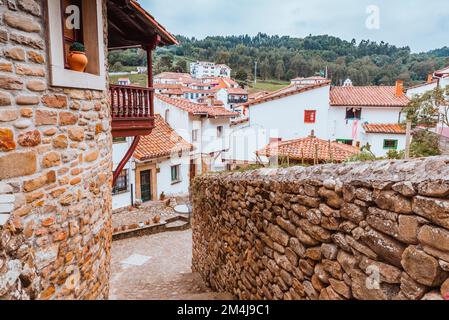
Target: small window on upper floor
pixel 219 131
pixel 353 114
pixel 309 116
pixel 76 44
pixel 195 135
pixel 167 115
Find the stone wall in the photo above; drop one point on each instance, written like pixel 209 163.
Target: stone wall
pixel 353 231
pixel 55 159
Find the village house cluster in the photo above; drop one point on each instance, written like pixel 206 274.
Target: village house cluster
pixel 308 122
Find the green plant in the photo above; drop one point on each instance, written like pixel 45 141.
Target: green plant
pixel 77 46
pixel 362 156
pixel 424 144
pixel 394 154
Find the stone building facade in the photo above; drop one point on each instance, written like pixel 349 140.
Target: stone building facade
pixel 55 169
pixel 375 230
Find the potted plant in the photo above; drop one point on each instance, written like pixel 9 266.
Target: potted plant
pixel 77 58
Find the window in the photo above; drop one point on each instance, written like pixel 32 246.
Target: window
pixel 345 141
pixel 167 115
pixel 64 17
pixel 195 135
pixel 122 183
pixel 175 174
pixel 71 35
pixel 219 131
pixel 353 113
pixel 309 116
pixel 119 140
pixel 390 144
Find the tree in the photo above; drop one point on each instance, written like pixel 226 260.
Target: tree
pixel 242 77
pixel 117 67
pixel 180 66
pixel 424 144
pixel 279 73
pixel 429 108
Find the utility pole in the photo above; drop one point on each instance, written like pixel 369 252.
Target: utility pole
pixel 408 134
pixel 255 73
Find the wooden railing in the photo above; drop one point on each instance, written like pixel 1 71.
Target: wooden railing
pixel 129 102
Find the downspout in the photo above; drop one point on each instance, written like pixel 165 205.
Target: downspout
pixel 125 159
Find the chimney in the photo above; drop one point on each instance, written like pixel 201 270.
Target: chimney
pixel 274 140
pixel 312 134
pixel 399 88
pixel 430 78
pixel 211 100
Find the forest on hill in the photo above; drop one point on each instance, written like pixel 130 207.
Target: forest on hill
pixel 284 58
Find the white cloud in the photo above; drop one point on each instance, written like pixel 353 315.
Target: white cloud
pixel 420 24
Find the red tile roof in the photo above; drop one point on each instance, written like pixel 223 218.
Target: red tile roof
pixel 395 128
pixel 307 148
pixel 285 92
pixel 198 109
pixel 369 96
pixel 237 91
pixel 161 142
pixel 173 75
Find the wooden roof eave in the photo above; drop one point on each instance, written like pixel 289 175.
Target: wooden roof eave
pixel 131 26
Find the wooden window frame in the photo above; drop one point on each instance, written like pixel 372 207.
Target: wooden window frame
pixel 357 110
pixel 95 76
pixel 178 174
pixel 346 141
pixel 220 130
pixel 195 135
pixel 116 190
pixel 308 116
pixel 390 140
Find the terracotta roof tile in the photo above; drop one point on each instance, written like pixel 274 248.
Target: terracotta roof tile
pixel 285 92
pixel 306 148
pixel 196 108
pixel 369 96
pixel 162 142
pixel 395 128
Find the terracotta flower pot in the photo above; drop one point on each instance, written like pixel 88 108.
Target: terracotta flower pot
pixel 77 61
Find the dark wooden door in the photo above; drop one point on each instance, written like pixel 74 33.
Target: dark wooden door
pixel 145 185
pixel 192 169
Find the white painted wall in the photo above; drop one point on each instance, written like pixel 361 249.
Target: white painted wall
pixel 340 128
pixel 376 140
pixel 286 115
pixel 119 150
pixel 164 183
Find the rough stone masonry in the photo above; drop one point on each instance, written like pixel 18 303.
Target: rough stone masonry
pixel 55 163
pixel 376 230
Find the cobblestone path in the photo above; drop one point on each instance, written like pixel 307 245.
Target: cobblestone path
pixel 157 267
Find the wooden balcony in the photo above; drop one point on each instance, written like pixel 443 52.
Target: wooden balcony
pixel 132 110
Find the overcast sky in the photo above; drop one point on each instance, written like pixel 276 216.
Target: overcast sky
pixel 420 24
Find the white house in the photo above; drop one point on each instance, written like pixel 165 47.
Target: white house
pixel 353 107
pixel 122 195
pixel 172 78
pixel 205 127
pixel 335 114
pixel 201 69
pixel 290 113
pixel 231 97
pixel 300 81
pixel 162 163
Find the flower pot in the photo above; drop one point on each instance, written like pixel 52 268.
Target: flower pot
pixel 77 61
